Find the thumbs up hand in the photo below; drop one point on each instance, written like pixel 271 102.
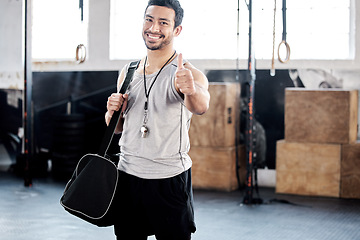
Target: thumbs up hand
pixel 184 80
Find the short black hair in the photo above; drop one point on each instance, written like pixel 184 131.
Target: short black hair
pixel 173 4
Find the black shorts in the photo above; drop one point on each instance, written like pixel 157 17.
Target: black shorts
pixel 160 207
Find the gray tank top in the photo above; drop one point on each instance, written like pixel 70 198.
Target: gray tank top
pixel 164 152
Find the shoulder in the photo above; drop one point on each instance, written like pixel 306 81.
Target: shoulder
pixel 199 76
pixel 123 72
pixel 122 76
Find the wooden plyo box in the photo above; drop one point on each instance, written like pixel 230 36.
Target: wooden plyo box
pixel 215 168
pixel 321 116
pixel 217 127
pixel 350 171
pixel 308 168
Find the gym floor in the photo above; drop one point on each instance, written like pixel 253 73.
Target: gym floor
pixel 34 213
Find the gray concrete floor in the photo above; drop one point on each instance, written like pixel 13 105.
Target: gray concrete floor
pixel 35 214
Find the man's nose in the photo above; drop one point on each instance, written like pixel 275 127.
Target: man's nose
pixel 155 27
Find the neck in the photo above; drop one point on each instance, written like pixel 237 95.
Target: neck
pixel 157 58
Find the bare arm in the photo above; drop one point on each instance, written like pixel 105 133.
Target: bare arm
pixel 114 103
pixel 193 84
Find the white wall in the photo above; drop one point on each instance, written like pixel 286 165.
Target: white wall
pixel 11 42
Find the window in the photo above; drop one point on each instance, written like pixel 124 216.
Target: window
pixel 315 29
pixel 126 18
pixel 57 29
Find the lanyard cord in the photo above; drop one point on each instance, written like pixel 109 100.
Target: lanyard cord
pixel 147 93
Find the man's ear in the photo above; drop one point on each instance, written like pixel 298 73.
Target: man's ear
pixel 177 30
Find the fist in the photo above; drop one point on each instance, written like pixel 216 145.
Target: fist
pixel 115 101
pixel 184 80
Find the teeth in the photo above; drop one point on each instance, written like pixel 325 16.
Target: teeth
pixel 154 37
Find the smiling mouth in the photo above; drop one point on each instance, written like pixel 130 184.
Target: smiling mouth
pixel 154 37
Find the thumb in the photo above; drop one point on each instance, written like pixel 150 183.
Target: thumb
pixel 180 62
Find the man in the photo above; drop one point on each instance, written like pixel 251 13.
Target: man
pixel 155 178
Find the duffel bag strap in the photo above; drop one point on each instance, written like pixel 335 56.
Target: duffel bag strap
pixel 109 133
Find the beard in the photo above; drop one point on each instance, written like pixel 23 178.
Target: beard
pixel 160 45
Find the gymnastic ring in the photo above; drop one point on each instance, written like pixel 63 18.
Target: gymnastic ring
pixel 80 58
pixel 287 52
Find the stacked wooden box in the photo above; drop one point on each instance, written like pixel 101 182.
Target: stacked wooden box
pixel 212 139
pixel 320 155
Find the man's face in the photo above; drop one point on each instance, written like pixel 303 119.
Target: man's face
pixel 158 27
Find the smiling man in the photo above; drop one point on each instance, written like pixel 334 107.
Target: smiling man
pixel 155 168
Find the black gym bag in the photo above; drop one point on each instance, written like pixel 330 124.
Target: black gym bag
pixel 91 193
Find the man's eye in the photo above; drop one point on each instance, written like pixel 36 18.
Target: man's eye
pixel 164 23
